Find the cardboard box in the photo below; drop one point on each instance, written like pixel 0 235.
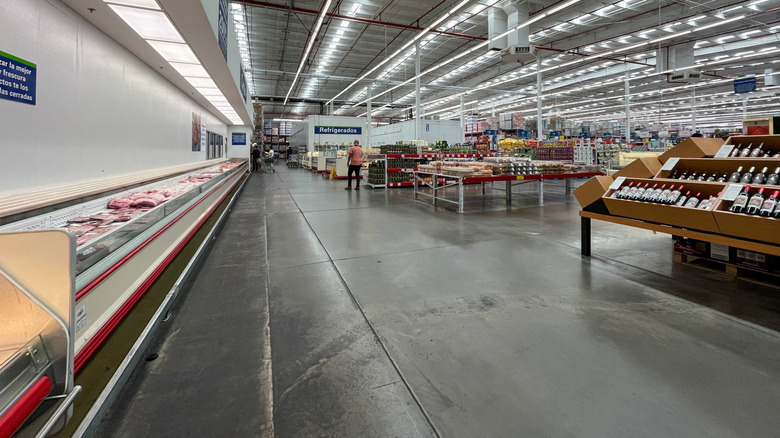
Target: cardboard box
pixel 640 168
pixel 693 247
pixel 694 147
pixel 753 260
pixel 690 218
pixel 592 190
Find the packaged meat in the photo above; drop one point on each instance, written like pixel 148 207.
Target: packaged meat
pixel 79 220
pixel 145 202
pixel 120 203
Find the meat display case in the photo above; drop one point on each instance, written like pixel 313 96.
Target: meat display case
pixel 112 269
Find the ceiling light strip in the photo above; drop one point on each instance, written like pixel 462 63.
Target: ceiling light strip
pixel 313 38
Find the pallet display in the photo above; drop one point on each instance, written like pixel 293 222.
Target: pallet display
pixel 728 200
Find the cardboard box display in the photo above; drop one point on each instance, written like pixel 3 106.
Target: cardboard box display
pixel 592 190
pixel 771 142
pixel 691 218
pixel 762 229
pixel 719 166
pixel 693 247
pixel 640 168
pixel 753 260
pixel 694 147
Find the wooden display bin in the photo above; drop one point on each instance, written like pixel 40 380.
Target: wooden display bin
pixel 719 166
pixel 763 229
pixel 640 168
pixel 771 142
pixel 694 147
pixel 592 190
pixel 690 218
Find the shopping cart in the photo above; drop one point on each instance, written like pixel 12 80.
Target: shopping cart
pixel 292 161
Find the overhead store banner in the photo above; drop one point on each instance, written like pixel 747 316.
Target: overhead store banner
pixel 17 79
pixel 342 130
pixel 222 26
pixel 239 139
pixel 744 85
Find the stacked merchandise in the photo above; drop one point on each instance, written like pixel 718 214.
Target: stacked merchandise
pixel 401 163
pixel 376 172
pixel 560 153
pixel 267 128
pixel 399 149
pixel 555 167
pixel 512 166
pixel 285 128
pixel 471 124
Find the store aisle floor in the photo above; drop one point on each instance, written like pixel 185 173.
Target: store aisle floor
pixel 394 318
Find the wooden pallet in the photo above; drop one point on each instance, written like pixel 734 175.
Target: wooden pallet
pixel 729 269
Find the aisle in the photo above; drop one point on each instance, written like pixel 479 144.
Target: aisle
pixel 498 327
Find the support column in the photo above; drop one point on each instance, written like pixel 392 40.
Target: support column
pixel 744 108
pixel 462 121
pixel 331 109
pixel 368 117
pixel 693 111
pixel 539 121
pixel 417 118
pixel 628 110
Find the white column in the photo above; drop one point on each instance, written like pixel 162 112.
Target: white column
pixel 744 108
pixel 539 121
pixel 462 121
pixel 417 115
pixel 368 116
pixel 331 108
pixel 628 111
pixel 693 111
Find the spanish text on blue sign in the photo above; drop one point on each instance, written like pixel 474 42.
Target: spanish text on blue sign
pixel 17 79
pixel 239 139
pixel 745 85
pixel 344 130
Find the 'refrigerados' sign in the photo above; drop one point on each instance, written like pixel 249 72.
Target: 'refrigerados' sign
pixel 344 130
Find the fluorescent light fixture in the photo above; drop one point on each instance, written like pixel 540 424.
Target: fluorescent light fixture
pixel 202 82
pixel 151 25
pixel 344 23
pixel 174 52
pixel 718 23
pixel 209 91
pixel 288 120
pixel 190 70
pixel 148 4
pixel 340 32
pixel 308 47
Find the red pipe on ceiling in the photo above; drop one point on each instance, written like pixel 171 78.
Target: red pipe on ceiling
pixel 361 20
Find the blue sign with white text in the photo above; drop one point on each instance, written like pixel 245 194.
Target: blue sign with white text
pixel 342 130
pixel 239 139
pixel 745 85
pixel 491 132
pixel 17 79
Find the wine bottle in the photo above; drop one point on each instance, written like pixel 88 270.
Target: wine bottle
pixel 693 201
pixel 735 176
pixel 768 207
pixel 773 177
pixel 745 152
pixel 639 192
pixel 684 175
pixel 622 191
pixel 664 198
pixel 757 151
pixel 708 203
pixel 735 152
pixel 657 194
pixel 648 193
pixel 701 177
pixel 631 191
pixel 747 177
pixel 712 177
pixel 681 202
pixel 674 175
pixel 755 203
pixel 674 196
pixel 692 177
pixel 760 177
pixel 741 201
pixel 723 178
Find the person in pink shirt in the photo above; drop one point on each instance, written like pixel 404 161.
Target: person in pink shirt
pixel 354 161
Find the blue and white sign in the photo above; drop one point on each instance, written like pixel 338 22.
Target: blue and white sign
pixel 341 130
pixel 17 79
pixel 744 85
pixel 222 26
pixel 491 132
pixel 239 139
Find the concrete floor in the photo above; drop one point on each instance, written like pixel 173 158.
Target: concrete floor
pixel 390 317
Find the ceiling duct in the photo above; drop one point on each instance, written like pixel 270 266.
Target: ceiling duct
pixel 771 80
pixel 496 26
pixel 519 48
pixel 677 57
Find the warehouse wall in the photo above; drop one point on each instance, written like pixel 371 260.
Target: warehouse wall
pixel 100 110
pixel 432 131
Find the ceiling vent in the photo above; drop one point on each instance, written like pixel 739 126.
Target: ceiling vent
pixel 519 54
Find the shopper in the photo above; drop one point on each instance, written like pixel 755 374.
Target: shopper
pixel 354 161
pixel 289 152
pixel 269 159
pixel 255 157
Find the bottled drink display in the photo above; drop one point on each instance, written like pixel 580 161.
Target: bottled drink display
pixel 736 150
pixel 639 192
pixel 674 196
pixel 755 203
pixel 683 199
pixel 692 177
pixel 693 201
pixel 769 206
pixel 741 201
pixel 657 194
pixel 747 177
pixel 746 151
pixel 760 177
pixel 772 179
pixel 712 177
pixel 623 191
pixel 708 203
pixel 757 152
pixel 723 177
pixel 684 175
pixel 664 198
pixel 648 193
pixel 736 175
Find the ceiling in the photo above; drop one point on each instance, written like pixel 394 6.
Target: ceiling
pixel 587 50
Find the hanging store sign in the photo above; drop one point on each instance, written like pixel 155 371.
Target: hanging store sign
pixel 239 139
pixel 17 79
pixel 342 130
pixel 744 85
pixel 222 26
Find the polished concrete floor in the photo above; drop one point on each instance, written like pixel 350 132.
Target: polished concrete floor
pixel 393 318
